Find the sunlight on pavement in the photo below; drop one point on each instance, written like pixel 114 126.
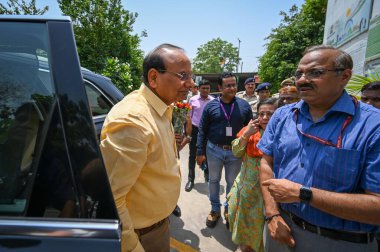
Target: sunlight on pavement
pixel 179 246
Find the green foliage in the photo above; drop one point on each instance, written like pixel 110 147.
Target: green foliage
pixel 298 30
pixel 17 7
pixel 120 75
pixel 210 57
pixel 357 82
pixel 103 32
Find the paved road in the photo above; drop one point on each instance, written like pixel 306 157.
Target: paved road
pixel 189 232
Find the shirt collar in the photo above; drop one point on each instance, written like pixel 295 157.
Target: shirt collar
pixel 158 105
pixel 344 104
pixel 253 95
pixel 232 101
pixel 199 97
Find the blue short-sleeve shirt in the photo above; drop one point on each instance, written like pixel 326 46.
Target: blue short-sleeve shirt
pixel 351 169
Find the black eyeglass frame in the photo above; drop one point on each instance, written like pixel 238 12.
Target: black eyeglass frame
pixel 315 73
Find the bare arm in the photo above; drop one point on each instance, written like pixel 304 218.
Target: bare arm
pixel 364 207
pixel 266 173
pixel 277 227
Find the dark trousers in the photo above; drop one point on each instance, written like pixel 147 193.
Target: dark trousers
pixel 193 153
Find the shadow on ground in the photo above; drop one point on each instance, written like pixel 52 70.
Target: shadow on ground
pixel 185 236
pixel 219 233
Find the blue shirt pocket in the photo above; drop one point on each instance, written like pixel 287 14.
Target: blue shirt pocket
pixel 337 169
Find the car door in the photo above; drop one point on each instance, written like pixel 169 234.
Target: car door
pixel 54 191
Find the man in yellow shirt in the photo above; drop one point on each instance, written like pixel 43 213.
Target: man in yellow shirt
pixel 139 150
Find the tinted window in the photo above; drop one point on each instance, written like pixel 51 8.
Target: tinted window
pixel 99 104
pixel 26 93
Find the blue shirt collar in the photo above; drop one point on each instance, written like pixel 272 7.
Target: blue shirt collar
pixel 344 105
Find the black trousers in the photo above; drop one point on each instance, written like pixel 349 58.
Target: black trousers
pixel 193 153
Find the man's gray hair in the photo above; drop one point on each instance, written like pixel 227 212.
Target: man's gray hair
pixel 343 60
pixel 155 59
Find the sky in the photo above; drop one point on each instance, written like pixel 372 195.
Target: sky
pixel 192 23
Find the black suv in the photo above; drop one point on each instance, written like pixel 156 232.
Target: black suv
pixel 102 95
pixel 54 191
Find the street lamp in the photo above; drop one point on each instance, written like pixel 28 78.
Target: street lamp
pixel 237 67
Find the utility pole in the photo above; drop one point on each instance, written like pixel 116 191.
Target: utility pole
pixel 237 67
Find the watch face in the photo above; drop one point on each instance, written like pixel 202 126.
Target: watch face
pixel 305 194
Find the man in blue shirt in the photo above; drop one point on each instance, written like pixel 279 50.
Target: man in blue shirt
pixel 222 119
pixel 320 171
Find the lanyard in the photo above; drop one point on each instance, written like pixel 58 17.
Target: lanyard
pixel 323 141
pixel 225 112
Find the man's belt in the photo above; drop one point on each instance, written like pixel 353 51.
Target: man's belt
pixel 224 147
pixel 331 233
pixel 142 231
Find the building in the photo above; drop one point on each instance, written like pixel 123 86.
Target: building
pixel 354 26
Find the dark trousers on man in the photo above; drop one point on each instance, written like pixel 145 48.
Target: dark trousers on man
pixel 192 155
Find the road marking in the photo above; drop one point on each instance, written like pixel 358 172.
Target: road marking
pixel 180 247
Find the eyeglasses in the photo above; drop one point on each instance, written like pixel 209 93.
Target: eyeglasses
pixel 229 86
pixel 268 114
pixel 182 76
pixel 315 73
pixel 373 99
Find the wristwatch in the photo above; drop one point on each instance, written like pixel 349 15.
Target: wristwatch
pixel 189 137
pixel 306 194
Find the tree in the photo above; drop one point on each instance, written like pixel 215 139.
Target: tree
pixel 23 8
pixel 120 74
pixel 103 32
pixel 216 56
pixel 357 81
pixel 286 43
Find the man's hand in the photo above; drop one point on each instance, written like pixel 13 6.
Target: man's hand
pixel 178 140
pixel 280 231
pixel 185 141
pixel 283 190
pixel 201 159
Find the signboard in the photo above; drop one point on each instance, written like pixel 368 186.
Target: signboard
pixel 357 52
pixel 373 48
pixel 345 20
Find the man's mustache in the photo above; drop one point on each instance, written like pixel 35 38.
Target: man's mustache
pixel 305 85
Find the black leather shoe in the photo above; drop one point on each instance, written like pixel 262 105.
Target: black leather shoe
pixel 189 186
pixel 177 211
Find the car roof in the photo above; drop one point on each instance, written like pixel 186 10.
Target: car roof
pixel 104 84
pixel 34 18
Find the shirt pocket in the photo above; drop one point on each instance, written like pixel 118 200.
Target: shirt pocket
pixel 338 169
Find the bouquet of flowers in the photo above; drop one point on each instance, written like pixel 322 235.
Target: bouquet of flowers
pixel 179 116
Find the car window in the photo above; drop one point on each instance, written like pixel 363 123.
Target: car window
pixel 99 104
pixel 26 101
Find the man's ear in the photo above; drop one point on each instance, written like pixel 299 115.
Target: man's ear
pixel 346 75
pixel 152 77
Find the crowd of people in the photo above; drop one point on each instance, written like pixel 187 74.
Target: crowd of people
pixel 303 163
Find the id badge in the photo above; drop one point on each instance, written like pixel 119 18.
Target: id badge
pixel 228 131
